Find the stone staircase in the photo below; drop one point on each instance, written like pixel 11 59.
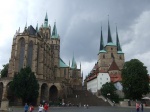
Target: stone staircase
pixel 85 97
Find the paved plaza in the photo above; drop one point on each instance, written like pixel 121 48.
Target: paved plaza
pixel 82 109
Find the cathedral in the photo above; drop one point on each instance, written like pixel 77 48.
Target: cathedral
pixel 39 48
pixel 108 66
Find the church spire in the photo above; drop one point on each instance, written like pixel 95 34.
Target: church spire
pixel 101 41
pixel 37 27
pixel 109 34
pixel 74 65
pixel 117 42
pixel 101 48
pixel 54 33
pixel 46 21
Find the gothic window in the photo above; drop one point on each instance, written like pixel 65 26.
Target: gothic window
pixel 111 48
pixel 30 52
pixel 21 53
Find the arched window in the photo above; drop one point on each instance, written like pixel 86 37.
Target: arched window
pixel 30 52
pixel 21 53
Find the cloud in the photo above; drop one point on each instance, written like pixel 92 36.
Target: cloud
pixel 78 24
pixel 137 45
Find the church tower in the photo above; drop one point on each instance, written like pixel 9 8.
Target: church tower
pixel 111 52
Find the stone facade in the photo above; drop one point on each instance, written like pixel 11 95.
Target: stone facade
pixel 39 48
pixel 110 61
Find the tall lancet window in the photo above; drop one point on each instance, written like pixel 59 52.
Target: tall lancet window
pixel 30 52
pixel 21 52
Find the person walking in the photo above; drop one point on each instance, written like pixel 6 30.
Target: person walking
pixel 141 106
pixel 41 108
pixel 46 107
pixel 26 107
pixel 31 108
pixel 137 107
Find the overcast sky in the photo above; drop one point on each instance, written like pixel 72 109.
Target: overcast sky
pixel 78 24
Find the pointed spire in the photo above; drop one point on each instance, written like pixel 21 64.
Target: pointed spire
pixel 54 33
pixel 101 41
pixel 109 33
pixel 19 30
pixel 74 65
pixel 46 17
pixel 46 21
pixel 37 28
pixel 101 47
pixel 26 25
pixel 117 41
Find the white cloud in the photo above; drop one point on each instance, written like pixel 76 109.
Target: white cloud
pixel 139 36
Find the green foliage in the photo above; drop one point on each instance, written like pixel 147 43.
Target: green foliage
pixel 135 79
pixel 25 85
pixel 108 90
pixel 4 71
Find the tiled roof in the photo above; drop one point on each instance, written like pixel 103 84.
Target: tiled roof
pixel 113 66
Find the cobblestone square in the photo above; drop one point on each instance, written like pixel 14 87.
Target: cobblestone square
pixel 82 109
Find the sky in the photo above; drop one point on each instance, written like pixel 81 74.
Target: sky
pixel 78 24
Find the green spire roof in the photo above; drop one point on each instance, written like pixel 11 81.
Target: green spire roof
pixel 74 65
pixel 101 49
pixel 62 63
pixel 109 35
pixel 54 33
pixel 101 41
pixel 46 21
pixel 118 43
pixel 109 40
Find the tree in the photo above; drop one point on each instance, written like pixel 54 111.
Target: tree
pixel 108 90
pixel 4 71
pixel 25 85
pixel 135 79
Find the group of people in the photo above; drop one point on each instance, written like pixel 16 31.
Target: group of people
pixel 40 109
pixel 139 106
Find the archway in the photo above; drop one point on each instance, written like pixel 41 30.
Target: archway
pixel 53 93
pixel 10 95
pixel 1 91
pixel 44 93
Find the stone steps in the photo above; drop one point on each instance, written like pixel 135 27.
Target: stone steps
pixel 85 97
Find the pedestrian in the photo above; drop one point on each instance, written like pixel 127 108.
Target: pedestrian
pixel 41 108
pixel 87 106
pixel 141 106
pixel 26 107
pixel 46 107
pixel 31 108
pixel 137 107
